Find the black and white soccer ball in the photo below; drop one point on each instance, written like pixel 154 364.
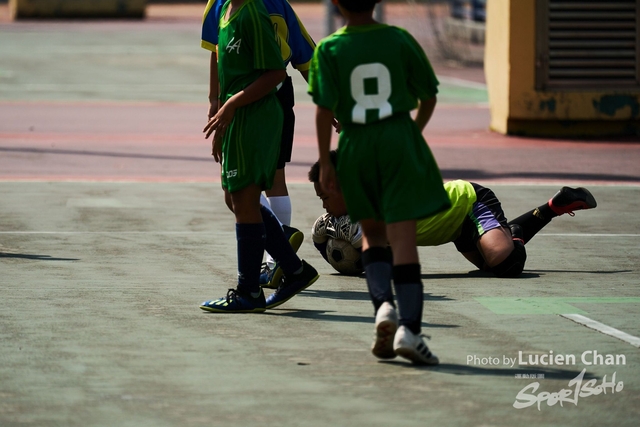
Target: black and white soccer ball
pixel 344 257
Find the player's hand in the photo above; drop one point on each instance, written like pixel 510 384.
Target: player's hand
pixel 328 179
pixel 336 125
pixel 213 109
pixel 319 229
pixel 216 146
pixel 342 228
pixel 221 120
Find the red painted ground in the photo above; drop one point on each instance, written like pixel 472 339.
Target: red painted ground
pixel 162 141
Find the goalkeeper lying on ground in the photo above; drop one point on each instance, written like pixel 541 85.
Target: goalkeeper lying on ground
pixel 475 223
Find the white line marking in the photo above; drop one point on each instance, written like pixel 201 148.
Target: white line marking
pixel 120 232
pixel 103 87
pixel 587 235
pixel 217 232
pixel 601 327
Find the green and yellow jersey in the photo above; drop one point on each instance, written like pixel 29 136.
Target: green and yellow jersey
pixel 296 46
pixel 247 47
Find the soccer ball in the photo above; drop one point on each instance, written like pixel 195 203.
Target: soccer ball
pixel 344 257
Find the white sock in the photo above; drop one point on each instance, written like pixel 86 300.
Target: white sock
pixel 281 208
pixel 264 201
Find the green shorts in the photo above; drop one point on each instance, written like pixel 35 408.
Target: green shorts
pixel 387 172
pixel 251 145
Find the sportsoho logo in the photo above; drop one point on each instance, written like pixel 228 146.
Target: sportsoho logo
pixel 578 388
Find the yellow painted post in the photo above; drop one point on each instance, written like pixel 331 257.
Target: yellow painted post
pixel 518 108
pixel 496 62
pixel 47 9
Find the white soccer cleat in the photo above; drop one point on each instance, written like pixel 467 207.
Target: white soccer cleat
pixel 386 327
pixel 412 347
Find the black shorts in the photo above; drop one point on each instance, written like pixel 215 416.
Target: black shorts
pixel 486 215
pixel 286 98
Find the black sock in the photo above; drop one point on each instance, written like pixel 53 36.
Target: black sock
pixel 377 267
pixel 534 221
pixel 277 244
pixel 251 239
pixel 410 295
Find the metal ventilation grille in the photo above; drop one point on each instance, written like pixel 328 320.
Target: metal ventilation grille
pixel 588 44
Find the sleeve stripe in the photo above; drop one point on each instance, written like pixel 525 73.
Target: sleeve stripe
pixel 210 3
pixel 305 34
pixel 303 67
pixel 209 46
pixel 260 61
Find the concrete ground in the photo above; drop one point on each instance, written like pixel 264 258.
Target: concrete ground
pixel 113 230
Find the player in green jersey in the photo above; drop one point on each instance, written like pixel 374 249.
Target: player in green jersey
pixel 247 129
pixel 371 76
pixel 296 47
pixel 475 223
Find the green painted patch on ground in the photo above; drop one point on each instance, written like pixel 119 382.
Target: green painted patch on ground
pixel 456 94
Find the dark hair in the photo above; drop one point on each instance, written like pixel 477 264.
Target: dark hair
pixel 358 5
pixel 314 172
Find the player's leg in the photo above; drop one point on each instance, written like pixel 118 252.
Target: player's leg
pixel 412 189
pixel 567 200
pixel 280 206
pixel 278 201
pixel 358 181
pixel 377 264
pixel 406 274
pixel 392 182
pixel 475 258
pixel 298 274
pixel 503 253
pixel 270 272
pixel 254 132
pixel 277 243
pixel 495 246
pixel 377 261
pixel 407 283
pixel 486 240
pixel 513 259
pixel 250 235
pixel 246 205
pixel 278 195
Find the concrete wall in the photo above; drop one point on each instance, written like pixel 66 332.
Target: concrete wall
pixel 518 108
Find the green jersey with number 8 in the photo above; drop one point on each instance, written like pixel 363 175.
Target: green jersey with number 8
pixel 381 82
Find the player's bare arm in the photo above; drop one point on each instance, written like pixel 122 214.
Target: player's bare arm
pixel 324 122
pixel 334 122
pixel 214 85
pixel 256 90
pixel 425 111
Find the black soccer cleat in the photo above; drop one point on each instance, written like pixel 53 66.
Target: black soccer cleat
pixel 293 285
pixel 570 199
